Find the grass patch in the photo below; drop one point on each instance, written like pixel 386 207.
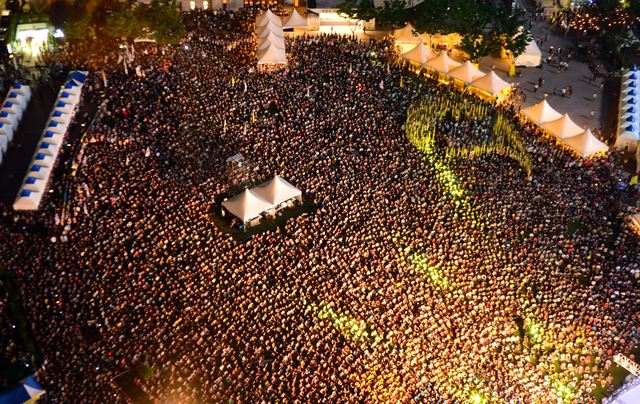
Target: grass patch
pixel 575 226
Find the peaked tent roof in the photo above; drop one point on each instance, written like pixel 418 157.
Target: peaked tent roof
pixel 246 205
pixel 491 83
pixel 407 34
pixel 563 127
pixel 276 21
pixel 269 26
pixel 265 42
pixel 443 63
pixel 420 54
pixel 541 112
pixel 467 72
pixel 586 144
pixel 531 57
pixel 272 56
pixel 269 16
pixel 296 21
pixel 277 190
pixel 273 29
pixel 28 389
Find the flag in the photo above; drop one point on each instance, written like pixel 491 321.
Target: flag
pixel 253 116
pixel 245 85
pixel 381 84
pixel 147 152
pixel 104 78
pixel 401 82
pixel 139 71
pixel 309 92
pixel 126 69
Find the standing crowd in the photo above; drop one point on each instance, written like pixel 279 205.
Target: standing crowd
pixel 428 297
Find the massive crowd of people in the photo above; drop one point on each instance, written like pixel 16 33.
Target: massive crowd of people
pixel 394 289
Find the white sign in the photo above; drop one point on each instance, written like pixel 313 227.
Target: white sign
pixel 627 363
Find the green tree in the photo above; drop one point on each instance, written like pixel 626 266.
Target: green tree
pixel 508 32
pixel 431 17
pixel 393 14
pixel 355 11
pixel 123 24
pixel 476 46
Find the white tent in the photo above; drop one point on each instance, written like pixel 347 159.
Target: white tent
pixel 6 130
pixel 420 54
pixel 563 128
pixel 72 87
pixel 272 56
pixel 247 205
pixel 296 21
pixel 17 98
pixel 268 29
pixel 60 116
pixel 265 43
pixel 466 73
pixel 53 137
pixel 586 144
pixel 491 83
pixel 268 16
pixel 68 97
pixel 57 127
pixel 9 117
pixel 269 24
pixel 64 106
pixel 628 137
pixel 22 89
pixel 531 57
pixel 38 170
pixel 541 112
pixel 443 63
pixel 407 34
pixel 277 191
pixel 13 107
pixel 43 160
pixel 4 143
pixel 34 184
pixel 27 200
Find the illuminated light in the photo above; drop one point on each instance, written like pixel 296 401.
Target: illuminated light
pixel 358 330
pixel 421 263
pixel 58 34
pixel 535 333
pixel 477 398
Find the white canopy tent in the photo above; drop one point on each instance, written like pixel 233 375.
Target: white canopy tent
pixel 9 118
pixel 541 112
pixel 586 144
pixel 295 20
pixel 491 83
pixel 247 205
pixel 272 55
pixel 466 73
pixel 27 200
pixel 272 30
pixel 277 191
pixel 407 34
pixel 38 170
pixel 531 57
pixel 22 89
pixel 6 130
pixel 4 144
pixel 628 137
pixel 443 63
pixel 269 27
pixel 13 107
pixel 271 40
pixel 563 128
pixel 420 54
pixel 269 16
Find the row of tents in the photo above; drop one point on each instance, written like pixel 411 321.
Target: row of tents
pixel 267 197
pixel 11 114
pixel 531 57
pixel 423 56
pixel 628 134
pixel 37 177
pixel 270 30
pixel 564 129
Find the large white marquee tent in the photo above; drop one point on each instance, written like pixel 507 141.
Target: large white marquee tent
pixel 491 84
pixel 467 73
pixel 420 54
pixel 407 34
pixel 541 112
pixel 563 127
pixel 271 49
pixel 296 20
pixel 531 57
pixel 267 197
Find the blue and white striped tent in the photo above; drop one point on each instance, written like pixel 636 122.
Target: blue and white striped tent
pixel 27 391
